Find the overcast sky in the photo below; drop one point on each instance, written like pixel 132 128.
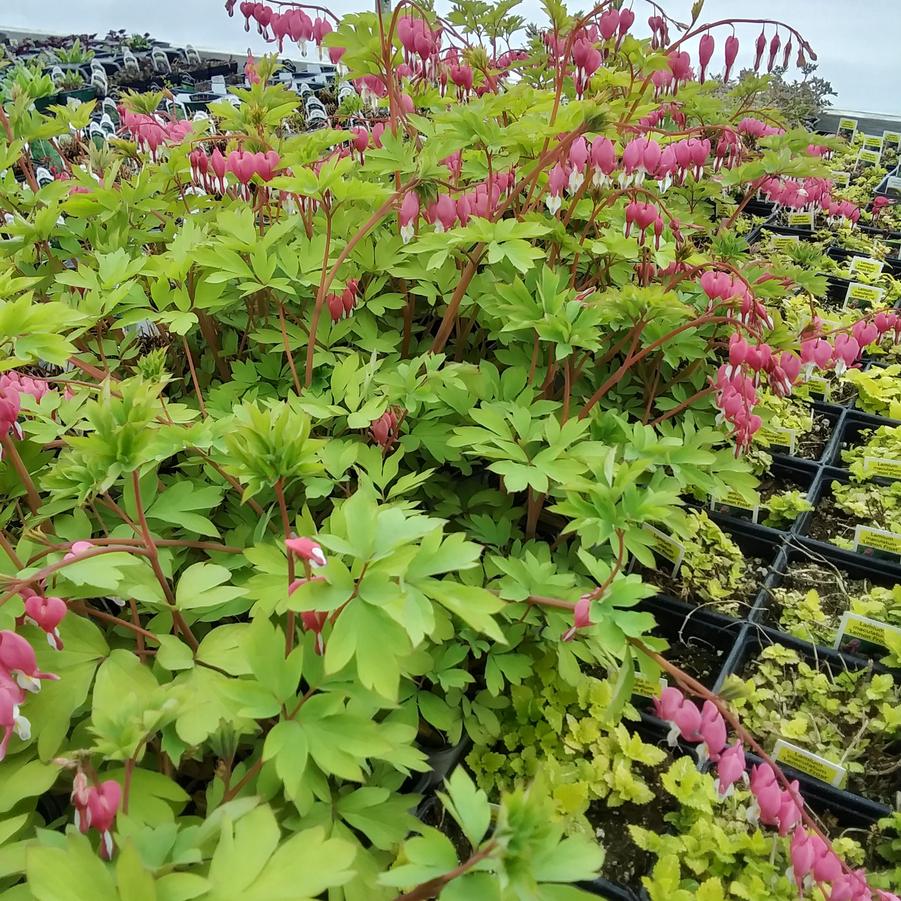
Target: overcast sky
pixel 858 42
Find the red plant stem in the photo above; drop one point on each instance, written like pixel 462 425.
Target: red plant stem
pixel 450 314
pixel 326 281
pixel 12 454
pixel 630 360
pixel 154 558
pixel 432 888
pixel 684 405
pixel 113 620
pixel 194 380
pixel 8 550
pixel 14 586
pixel 288 353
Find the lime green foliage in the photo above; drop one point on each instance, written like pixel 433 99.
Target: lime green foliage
pixel 848 716
pixel 25 81
pixel 878 389
pixel 565 732
pixel 711 851
pixel 516 848
pixel 868 503
pixel 783 509
pixel 783 413
pixel 76 54
pixel 883 443
pixel 715 570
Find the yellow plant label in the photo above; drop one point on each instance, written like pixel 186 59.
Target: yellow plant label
pixel 872 631
pixel 878 539
pixel 784 242
pixel 840 178
pixel 873 142
pixel 734 499
pixel 860 293
pixel 807 762
pixel 880 466
pixel 891 137
pixel 666 546
pixel 866 266
pixel 779 436
pixel 800 220
pixel 869 156
pixel 816 384
pixel 648 688
pixel 846 127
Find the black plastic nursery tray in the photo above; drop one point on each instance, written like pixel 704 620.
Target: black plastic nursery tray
pixel 756 544
pixel 850 433
pixel 845 255
pixel 751 644
pixel 804 567
pixel 785 474
pixel 825 522
pixel 815 446
pixel 701 643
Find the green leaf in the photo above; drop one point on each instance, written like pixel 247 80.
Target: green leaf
pixel 468 805
pixel 70 874
pixel 201 585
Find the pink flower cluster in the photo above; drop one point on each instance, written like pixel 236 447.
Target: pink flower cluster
pixel 12 386
pixel 445 212
pixel 343 304
pixel 809 194
pixel 846 349
pixel 812 860
pixel 720 286
pixel 383 430
pixel 151 133
pixel 95 808
pixel 19 674
pixel 209 172
pixel 421 46
pixel 644 216
pixel 293 23
pixel 754 128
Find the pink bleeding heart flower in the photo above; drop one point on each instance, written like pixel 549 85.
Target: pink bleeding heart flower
pixel 578 160
pixel 713 730
pixel 866 333
pixel 730 768
pixel 731 54
pixel 669 702
pixel 443 213
pixel 47 614
pixel 827 867
pixel 603 160
pixel 95 808
pixel 77 549
pixel 314 621
pixel 556 181
pixel 775 44
pixel 581 617
pixel 307 549
pixel 409 213
pixel 12 697
pixel 802 856
pixel 608 24
pixel 18 659
pixel 705 54
pixel 790 810
pixel 759 48
pixel 626 18
pixel 847 352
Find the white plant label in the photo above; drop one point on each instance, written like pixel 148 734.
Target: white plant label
pixel 807 762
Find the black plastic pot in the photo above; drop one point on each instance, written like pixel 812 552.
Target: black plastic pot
pixel 805 234
pixel 823 490
pixel 845 255
pixel 873 571
pixel 792 471
pixel 850 433
pixel 688 628
pixel 755 542
pixel 442 761
pixel 753 641
pixel 612 891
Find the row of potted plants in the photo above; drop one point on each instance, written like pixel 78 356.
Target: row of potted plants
pixel 370 520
